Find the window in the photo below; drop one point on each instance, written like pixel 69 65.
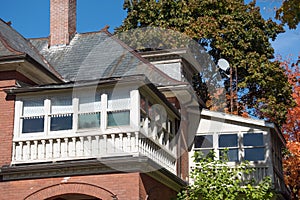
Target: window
pixel 254 146
pixel 89 112
pixel 230 143
pixel 61 114
pixel 118 106
pixel 204 143
pixel 33 116
pixel 119 118
pixel 251 148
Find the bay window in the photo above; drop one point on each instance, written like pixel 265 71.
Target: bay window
pixel 57 113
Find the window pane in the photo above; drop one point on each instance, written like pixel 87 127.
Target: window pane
pixel 90 103
pixel 255 154
pixel 204 141
pixel 33 107
pixel 61 122
pixel 232 154
pixel 33 125
pixel 228 140
pixel 89 120
pixel 118 118
pixel 61 105
pixel 253 139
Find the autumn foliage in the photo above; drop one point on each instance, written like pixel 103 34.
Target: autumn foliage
pixel 291 130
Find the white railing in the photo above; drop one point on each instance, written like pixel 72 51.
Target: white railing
pixel 71 147
pixel 258 173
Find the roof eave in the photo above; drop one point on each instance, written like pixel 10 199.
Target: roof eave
pixel 24 56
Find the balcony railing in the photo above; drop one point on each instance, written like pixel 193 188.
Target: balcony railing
pixel 70 147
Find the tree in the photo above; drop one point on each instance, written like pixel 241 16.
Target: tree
pixel 215 180
pixel 291 130
pixel 227 29
pixel 289 13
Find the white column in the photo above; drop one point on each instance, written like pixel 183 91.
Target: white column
pixel 75 113
pixel 81 146
pixel 103 112
pixel 90 145
pixel 135 110
pixel 28 150
pixel 17 121
pixel 43 153
pixel 47 119
pixel 58 148
pixel 66 147
pixel 74 147
pixel 21 150
pixel 36 153
pixel 14 152
pixel 51 148
pixel 97 153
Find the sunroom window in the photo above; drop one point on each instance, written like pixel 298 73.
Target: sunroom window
pixel 229 143
pixel 204 143
pixel 251 147
pixel 61 114
pixel 33 116
pixel 254 146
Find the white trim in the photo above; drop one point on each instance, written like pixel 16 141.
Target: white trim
pixel 236 118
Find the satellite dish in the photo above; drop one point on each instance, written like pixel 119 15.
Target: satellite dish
pixel 223 64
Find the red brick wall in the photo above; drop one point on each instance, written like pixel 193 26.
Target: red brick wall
pixel 62 21
pixel 125 186
pixel 151 189
pixel 7 104
pixel 183 147
pixel 6 121
pixel 129 186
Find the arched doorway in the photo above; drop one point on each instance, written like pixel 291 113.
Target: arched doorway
pixel 73 197
pixel 72 191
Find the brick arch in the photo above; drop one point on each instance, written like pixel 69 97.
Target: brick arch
pixel 72 188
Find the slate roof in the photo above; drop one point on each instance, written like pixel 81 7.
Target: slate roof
pixel 98 55
pixel 14 44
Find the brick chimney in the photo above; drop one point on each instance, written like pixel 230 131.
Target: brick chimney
pixel 62 21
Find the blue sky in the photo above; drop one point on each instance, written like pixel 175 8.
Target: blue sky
pixel 31 19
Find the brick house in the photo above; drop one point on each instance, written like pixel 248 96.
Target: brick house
pixel 83 116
